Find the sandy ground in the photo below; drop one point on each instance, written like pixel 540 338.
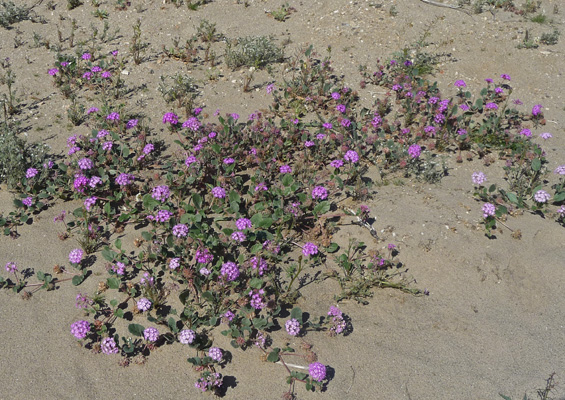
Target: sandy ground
pixel 494 318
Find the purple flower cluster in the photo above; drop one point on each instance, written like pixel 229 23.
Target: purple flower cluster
pixel 28 201
pixel 209 381
pixel 125 179
pixel 219 192
pixel 11 267
pixel 143 304
pixel 80 329
pixel 75 256
pixel 541 196
pixel 285 169
pixel 337 322
pixel 170 118
pixel 257 299
pixel 317 371
pixel 351 156
pixel 161 193
pixel 489 210
pixel 108 346
pixel 536 110
pixel 230 271
pixel 215 354
pixel 319 192
pixel 30 173
pixel 243 223
pixel 180 230
pixel 260 264
pixel 174 263
pixel 203 256
pixel 478 178
pixel 336 163
pixel 238 236
pixel 292 327
pixel 89 202
pixel 309 249
pixel 414 151
pixel 151 334
pixel 82 301
pixel 192 123
pixel 187 336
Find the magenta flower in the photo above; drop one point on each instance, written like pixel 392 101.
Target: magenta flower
pixel 192 123
pixel 340 108
pixel 31 172
pixel 238 236
pixel 317 371
pixel 478 178
pixel 336 96
pixel 351 156
pixel 174 263
pixel 491 106
pixel 285 169
pixel 292 327
pixel 151 334
pixel 319 192
pixel 560 170
pixel 414 151
pixel 170 118
pixel 345 123
pixel 113 116
pixel 460 84
pixel 505 77
pixel 124 179
pixel 541 196
pixel 337 163
pixel 75 256
pixel 11 267
pixel 86 56
pixel 132 123
pixel 230 271
pixel 270 88
pixel 149 147
pixel 85 163
pixel 28 201
pixel 215 353
pixel 537 110
pixel 89 202
pixel 327 125
pixel 309 249
pixel 92 110
pixel 187 336
pixel 161 193
pixel 180 230
pixel 309 143
pixel 219 192
pixel 489 210
pixel 545 135
pixel 243 223
pixel 53 71
pixel 143 304
pixel 108 346
pixel 80 329
pixel 526 132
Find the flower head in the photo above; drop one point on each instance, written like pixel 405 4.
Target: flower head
pixel 143 304
pixel 285 169
pixel 478 178
pixel 351 156
pixel 11 267
pixel 151 334
pixel 75 256
pixel 460 84
pixel 187 336
pixel 292 327
pixel 541 196
pixel 31 172
pixel 309 249
pixel 219 192
pixel 243 223
pixel 317 371
pixel 180 230
pixel 230 271
pixel 80 329
pixel 489 210
pixel 215 353
pixel 414 151
pixel 319 192
pixel 108 346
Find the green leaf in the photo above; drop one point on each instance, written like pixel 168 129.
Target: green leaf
pixel 40 275
pixel 136 329
pixel 273 355
pixel 216 147
pixel 492 188
pixel 108 254
pixel 256 248
pixel 149 202
pixel 559 197
pixel 322 208
pixel 265 223
pixel 113 283
pixel 505 397
pixel 118 244
pixel 512 198
pixel 113 302
pixel 296 313
pixel 332 248
pixel 183 297
pixel 173 325
pixel 197 199
pixel 256 283
pixel 479 104
pixel 234 206
pixel 208 296
pixel 119 313
pixel 287 180
pixel 256 219
pixel 18 203
pixel 536 164
pixel 78 279
pixel 234 197
pixel 146 235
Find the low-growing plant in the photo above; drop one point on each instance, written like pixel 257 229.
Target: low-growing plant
pixel 282 13
pixel 137 47
pixel 252 51
pixel 550 39
pixel 180 90
pixel 72 4
pixel 10 14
